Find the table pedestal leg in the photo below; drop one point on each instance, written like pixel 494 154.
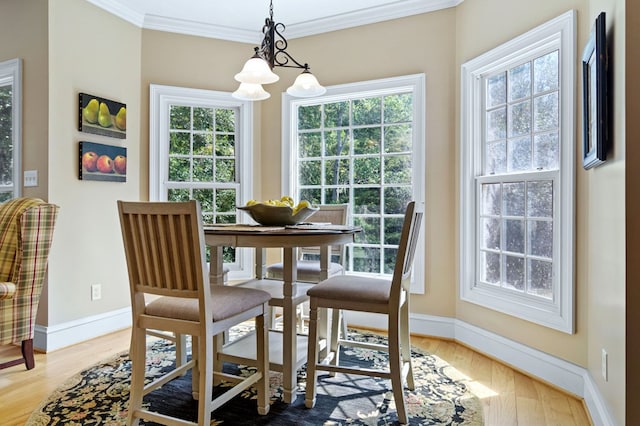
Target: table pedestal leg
pixel 289 350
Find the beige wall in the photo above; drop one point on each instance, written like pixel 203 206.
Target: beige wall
pixel 604 237
pixel 24 23
pixel 632 187
pixel 97 53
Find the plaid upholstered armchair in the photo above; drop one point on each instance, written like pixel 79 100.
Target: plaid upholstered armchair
pixel 26 230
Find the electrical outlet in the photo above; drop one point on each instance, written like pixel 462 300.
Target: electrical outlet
pixel 96 291
pixel 605 365
pixel 30 178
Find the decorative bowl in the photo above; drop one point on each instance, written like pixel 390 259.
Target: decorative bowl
pixel 268 215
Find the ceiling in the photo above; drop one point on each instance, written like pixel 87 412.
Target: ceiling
pixel 242 20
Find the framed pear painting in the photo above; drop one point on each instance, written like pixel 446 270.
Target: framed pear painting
pixel 102 116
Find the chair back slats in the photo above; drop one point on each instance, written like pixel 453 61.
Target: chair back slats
pixel 407 248
pixel 164 250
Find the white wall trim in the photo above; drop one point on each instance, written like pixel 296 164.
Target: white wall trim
pixel 558 372
pixel 49 339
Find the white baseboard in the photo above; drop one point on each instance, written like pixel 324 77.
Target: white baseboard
pixel 558 372
pixel 54 337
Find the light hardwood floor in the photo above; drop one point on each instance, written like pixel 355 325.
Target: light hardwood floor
pixel 508 396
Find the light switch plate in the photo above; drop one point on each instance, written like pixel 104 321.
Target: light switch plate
pixel 30 178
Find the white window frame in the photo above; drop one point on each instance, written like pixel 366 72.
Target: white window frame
pixel 11 73
pixel 161 98
pixel 558 313
pixel 416 85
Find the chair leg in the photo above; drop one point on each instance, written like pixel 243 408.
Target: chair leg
pixel 405 341
pixel 262 357
pixel 195 377
pixel 312 356
pixel 395 367
pixel 138 355
pixel 204 370
pixel 27 353
pixel 337 333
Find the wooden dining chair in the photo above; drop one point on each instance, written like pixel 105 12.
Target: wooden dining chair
pixel 164 248
pixel 364 294
pixel 308 269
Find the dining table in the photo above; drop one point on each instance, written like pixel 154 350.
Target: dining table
pixel 287 348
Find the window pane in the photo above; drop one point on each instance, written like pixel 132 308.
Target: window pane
pixel 545 151
pixel 310 144
pixel 180 117
pixel 366 259
pixel 203 144
pixel 367 111
pixel 491 234
pixel 490 267
pixel 514 272
pixel 225 145
pixel 370 230
pixel 366 200
pixel 545 109
pixel 540 238
pixel 203 119
pixel 541 278
pixel 179 169
pixel 336 114
pixel 366 170
pixel 520 119
pixel 496 124
pixel 496 90
pixel 397 138
pixel 309 117
pixel 540 199
pixel 310 173
pixel 313 195
pixel 514 199
pixel 519 154
pixel 396 199
pixel 179 195
pixel 491 199
pixel 202 169
pixel 397 169
pixel 389 261
pixel 179 143
pixel 226 200
pixel 514 235
pixel 545 71
pixel 225 120
pixel 336 195
pixel 398 108
pixel 205 197
pixel 520 82
pixel 6 140
pixel 337 143
pixel 225 170
pixel 366 141
pixel 496 158
pixel 392 230
pixel 336 172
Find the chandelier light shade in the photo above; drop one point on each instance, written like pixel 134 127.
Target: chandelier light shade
pixel 258 70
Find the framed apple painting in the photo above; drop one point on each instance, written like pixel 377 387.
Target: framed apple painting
pixel 102 116
pixel 102 162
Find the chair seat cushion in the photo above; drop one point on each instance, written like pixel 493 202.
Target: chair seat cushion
pixel 7 290
pixel 226 302
pixel 308 270
pixel 352 287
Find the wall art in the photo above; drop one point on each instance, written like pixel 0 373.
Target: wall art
pixel 102 162
pixel 102 116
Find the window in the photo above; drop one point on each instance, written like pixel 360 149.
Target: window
pixel 361 144
pixel 201 149
pixel 10 129
pixel 517 176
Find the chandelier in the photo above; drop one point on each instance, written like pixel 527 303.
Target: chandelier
pixel 258 70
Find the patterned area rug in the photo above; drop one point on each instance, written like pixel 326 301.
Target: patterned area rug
pixel 99 395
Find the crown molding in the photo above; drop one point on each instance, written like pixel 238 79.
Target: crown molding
pixel 370 15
